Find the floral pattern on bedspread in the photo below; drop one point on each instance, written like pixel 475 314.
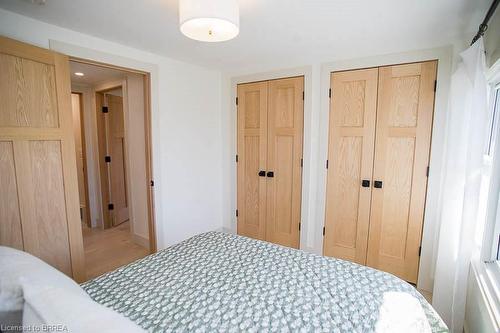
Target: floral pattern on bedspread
pixel 218 282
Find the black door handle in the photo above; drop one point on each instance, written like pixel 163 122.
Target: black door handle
pixel 365 183
pixel 377 184
pixel 270 174
pixel 262 173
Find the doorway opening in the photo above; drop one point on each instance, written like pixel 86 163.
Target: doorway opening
pixel 113 156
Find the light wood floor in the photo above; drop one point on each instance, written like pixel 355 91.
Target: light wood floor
pixel 106 250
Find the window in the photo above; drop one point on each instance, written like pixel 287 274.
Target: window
pixel 494 197
pixel 495 115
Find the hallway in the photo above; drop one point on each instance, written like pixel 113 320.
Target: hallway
pixel 106 250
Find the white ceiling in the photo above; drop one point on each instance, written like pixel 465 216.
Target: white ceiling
pixel 271 31
pixel 93 74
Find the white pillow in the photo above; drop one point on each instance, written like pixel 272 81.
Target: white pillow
pixel 65 311
pixel 17 267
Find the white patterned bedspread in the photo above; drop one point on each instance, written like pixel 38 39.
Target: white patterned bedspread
pixel 218 282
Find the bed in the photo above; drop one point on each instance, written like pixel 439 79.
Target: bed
pixel 228 283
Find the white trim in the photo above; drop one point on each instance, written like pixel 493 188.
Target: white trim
pixel 139 240
pixel 108 85
pixel 98 56
pixel 307 200
pixel 431 219
pixel 482 309
pixel 493 73
pixel 488 248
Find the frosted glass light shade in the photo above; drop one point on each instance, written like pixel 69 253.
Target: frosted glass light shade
pixel 209 20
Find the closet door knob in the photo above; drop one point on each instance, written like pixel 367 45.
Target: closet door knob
pixel 262 173
pixel 270 174
pixel 377 184
pixel 365 183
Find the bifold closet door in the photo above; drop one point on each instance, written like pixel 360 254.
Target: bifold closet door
pixel 351 146
pixel 252 155
pixel 284 154
pixel 39 204
pixel 404 124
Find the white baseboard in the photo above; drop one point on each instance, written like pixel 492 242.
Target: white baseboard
pixel 142 241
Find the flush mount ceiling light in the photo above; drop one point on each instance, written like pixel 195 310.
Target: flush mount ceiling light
pixel 79 74
pixel 209 20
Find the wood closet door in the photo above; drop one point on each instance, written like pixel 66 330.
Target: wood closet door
pixel 353 110
pixel 252 155
pixel 284 154
pixel 116 146
pixel 404 123
pixel 39 204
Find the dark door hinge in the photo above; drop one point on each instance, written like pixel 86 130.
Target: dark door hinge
pixel 419 251
pixel 303 96
pixel 236 213
pixel 330 93
pixel 151 183
pixel 105 109
pixel 111 206
pixel 236 158
pixel 107 159
pixel 427 172
pixel 236 100
pixel 327 164
pixel 435 85
pixel 301 162
pixel 323 231
pixel 299 226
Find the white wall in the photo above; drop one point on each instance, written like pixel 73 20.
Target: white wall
pixel 186 126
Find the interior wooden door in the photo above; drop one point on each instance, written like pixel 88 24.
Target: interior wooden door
pixel 353 109
pixel 404 124
pixel 284 154
pixel 39 205
pixel 116 150
pixel 252 156
pixel 103 151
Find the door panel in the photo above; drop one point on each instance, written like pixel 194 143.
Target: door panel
pixel 27 92
pixel 10 226
pixel 36 131
pixel 352 133
pixel 284 153
pixel 116 144
pixel 404 124
pixel 43 211
pixel 252 154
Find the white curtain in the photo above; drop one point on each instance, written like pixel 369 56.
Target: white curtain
pixel 467 125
